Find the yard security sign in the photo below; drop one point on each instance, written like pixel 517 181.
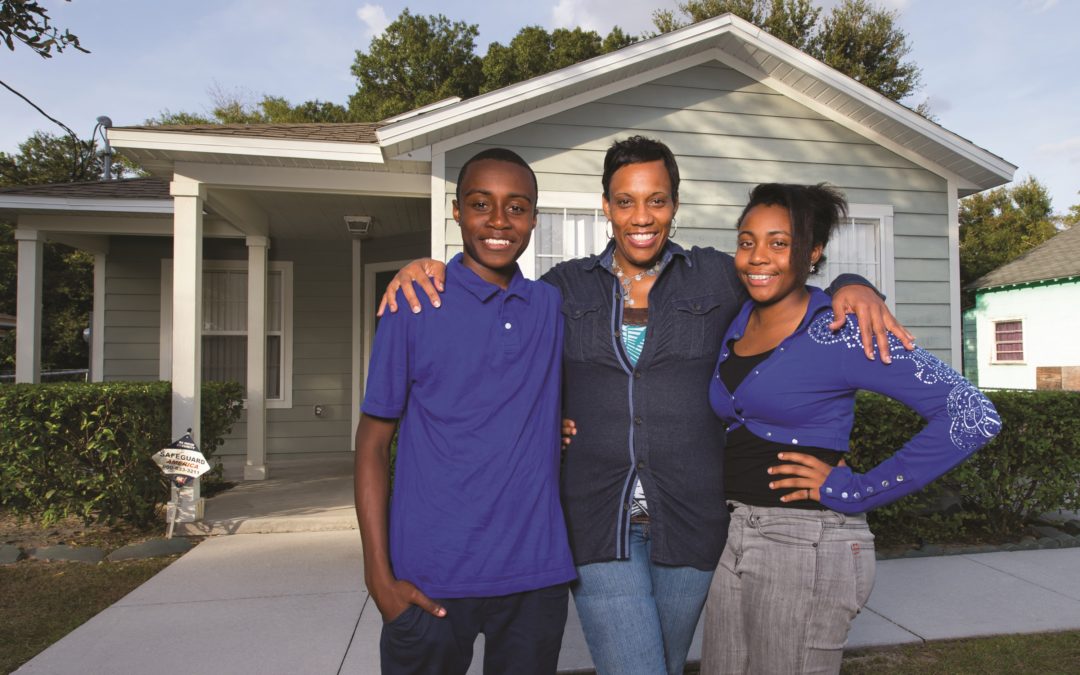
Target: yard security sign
pixel 182 460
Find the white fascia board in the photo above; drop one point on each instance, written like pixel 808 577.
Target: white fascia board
pixel 93 205
pixel 843 84
pixel 178 141
pixel 597 67
pixel 337 181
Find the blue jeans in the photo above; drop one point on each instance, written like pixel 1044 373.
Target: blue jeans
pixel 639 617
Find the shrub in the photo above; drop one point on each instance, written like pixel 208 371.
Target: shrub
pixel 1031 468
pixel 84 448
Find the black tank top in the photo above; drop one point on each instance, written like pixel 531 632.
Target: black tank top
pixel 747 457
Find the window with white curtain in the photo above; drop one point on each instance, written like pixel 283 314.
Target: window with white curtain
pixel 861 244
pixel 224 342
pixel 563 234
pixel 224 325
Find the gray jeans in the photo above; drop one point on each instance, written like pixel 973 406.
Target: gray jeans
pixel 788 585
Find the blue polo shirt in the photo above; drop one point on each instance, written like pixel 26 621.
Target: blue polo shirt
pixel 475 508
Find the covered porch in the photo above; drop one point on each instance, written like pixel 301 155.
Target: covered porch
pixel 259 265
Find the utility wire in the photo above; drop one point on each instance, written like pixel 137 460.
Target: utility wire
pixel 75 139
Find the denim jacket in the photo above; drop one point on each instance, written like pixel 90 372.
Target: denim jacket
pixel 651 420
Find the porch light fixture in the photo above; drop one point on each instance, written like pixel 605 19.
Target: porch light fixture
pixel 359 226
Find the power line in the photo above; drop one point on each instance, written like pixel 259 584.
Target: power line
pixel 74 137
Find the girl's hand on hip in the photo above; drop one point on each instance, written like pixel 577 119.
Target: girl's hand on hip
pixel 808 474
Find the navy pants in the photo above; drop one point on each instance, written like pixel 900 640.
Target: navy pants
pixel 522 634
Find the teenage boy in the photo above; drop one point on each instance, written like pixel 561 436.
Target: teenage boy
pixel 475 540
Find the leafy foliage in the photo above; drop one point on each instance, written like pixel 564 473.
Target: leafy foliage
pixel 534 52
pixel 27 22
pixel 1072 217
pixel 1000 225
pixel 231 108
pixel 1032 467
pixel 856 38
pixel 418 60
pixel 85 449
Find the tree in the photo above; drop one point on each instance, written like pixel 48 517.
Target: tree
pixel 534 52
pixel 68 274
pixel 998 226
pixel 418 60
pixel 866 44
pixel 855 38
pixel 1072 217
pixel 231 108
pixel 27 22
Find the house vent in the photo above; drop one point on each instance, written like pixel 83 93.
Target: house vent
pixel 359 226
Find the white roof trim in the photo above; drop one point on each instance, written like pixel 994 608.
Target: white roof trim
pixel 423 109
pixel 228 144
pixel 94 204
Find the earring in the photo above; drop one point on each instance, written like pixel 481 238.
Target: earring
pixel 607 230
pixel 813 268
pixel 674 228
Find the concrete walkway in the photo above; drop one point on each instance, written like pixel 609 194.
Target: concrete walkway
pixel 295 603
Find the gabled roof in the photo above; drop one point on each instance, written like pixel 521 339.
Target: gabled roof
pixel 1055 258
pixel 337 132
pixel 128 195
pixel 740 45
pixel 124 188
pixel 339 145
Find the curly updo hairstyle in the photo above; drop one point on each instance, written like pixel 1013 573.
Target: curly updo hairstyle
pixel 815 210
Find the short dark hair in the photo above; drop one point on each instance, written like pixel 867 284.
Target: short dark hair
pixel 638 150
pixel 500 155
pixel 814 210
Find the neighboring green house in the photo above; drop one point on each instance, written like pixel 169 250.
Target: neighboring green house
pixel 256 252
pixel 1027 320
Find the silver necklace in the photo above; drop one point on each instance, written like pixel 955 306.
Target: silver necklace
pixel 627 280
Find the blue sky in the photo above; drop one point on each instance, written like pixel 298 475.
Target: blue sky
pixel 1001 73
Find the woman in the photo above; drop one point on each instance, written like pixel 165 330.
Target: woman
pixel 799 559
pixel 641 487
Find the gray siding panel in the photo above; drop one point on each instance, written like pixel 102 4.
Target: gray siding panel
pixel 132 307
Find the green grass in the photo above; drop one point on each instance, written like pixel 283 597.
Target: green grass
pixel 41 602
pixel 1013 654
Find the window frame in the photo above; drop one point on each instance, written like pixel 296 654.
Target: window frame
pixel 555 202
pixel 285 268
pixel 883 214
pixel 1022 361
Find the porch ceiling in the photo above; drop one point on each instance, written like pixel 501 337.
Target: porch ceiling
pixel 294 215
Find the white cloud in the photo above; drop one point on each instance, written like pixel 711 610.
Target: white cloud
pixel 1068 149
pixel 374 19
pixel 633 16
pixel 1039 6
pixel 574 13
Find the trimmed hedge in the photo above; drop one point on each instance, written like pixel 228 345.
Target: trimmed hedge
pixel 1032 467
pixel 85 449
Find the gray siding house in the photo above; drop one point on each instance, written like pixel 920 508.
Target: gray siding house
pixel 257 252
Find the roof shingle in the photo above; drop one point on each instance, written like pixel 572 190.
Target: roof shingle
pixel 1055 258
pixel 124 188
pixel 338 132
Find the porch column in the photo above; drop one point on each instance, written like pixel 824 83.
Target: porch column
pixel 97 321
pixel 255 468
pixel 31 244
pixel 188 199
pixel 358 365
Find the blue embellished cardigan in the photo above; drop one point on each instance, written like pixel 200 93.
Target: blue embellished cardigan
pixel 803 394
